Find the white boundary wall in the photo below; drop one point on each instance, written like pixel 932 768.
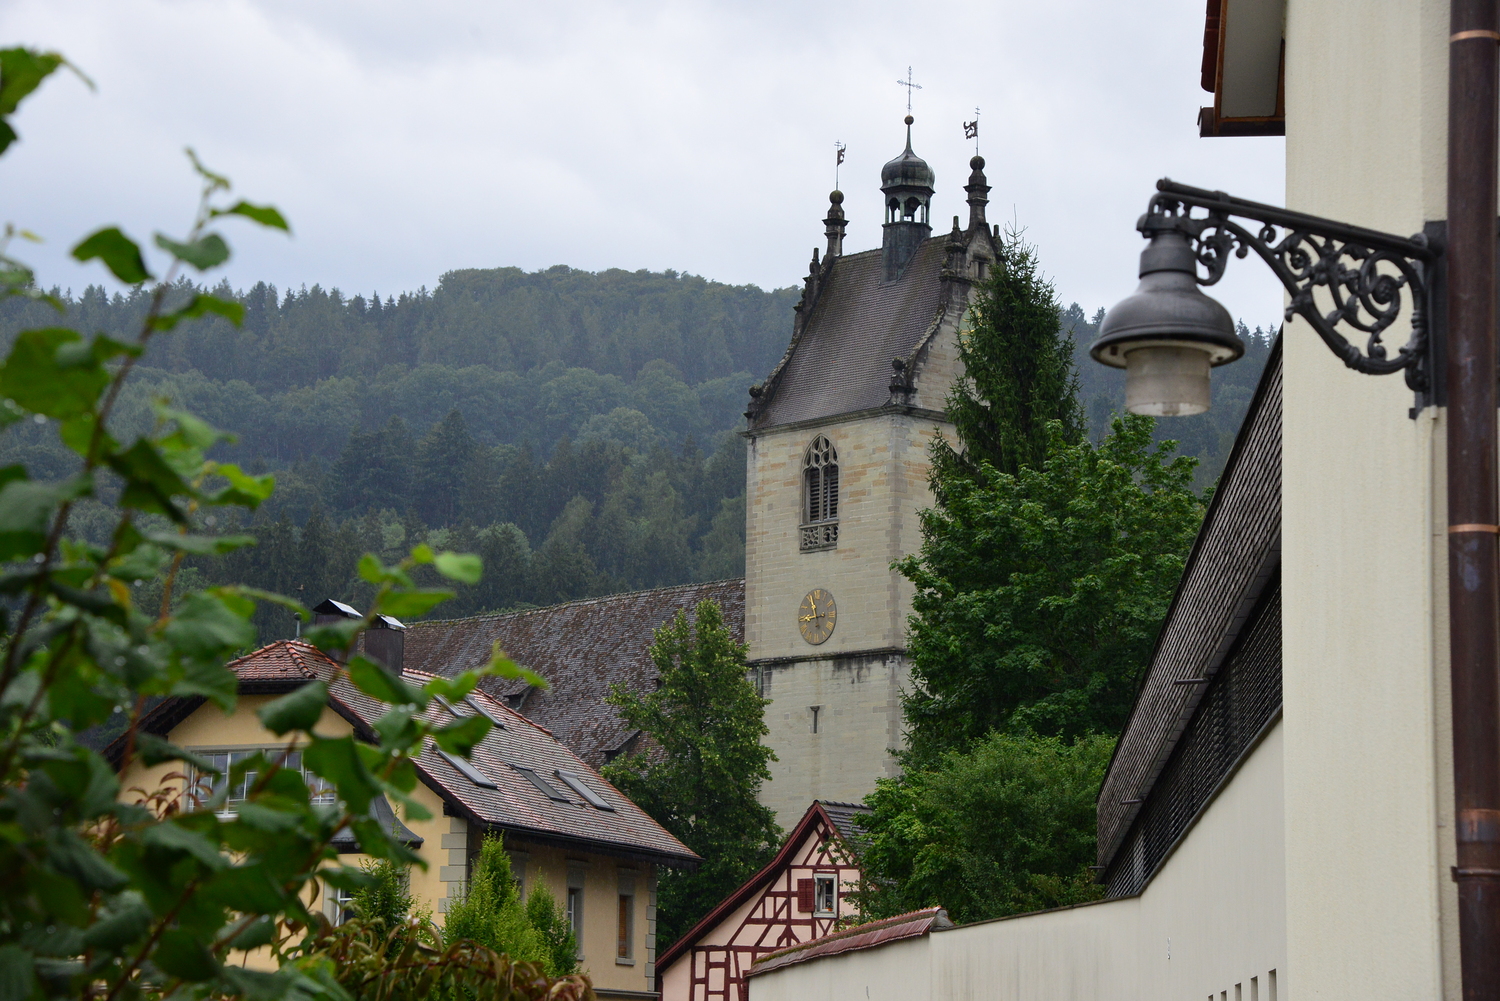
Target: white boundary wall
pixel 1210 925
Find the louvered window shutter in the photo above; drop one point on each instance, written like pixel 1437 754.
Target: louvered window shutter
pixel 814 496
pixel 805 900
pixel 831 491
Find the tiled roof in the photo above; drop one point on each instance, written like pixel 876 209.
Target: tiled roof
pixel 581 648
pixel 866 936
pixel 842 360
pixel 516 804
pixel 280 661
pixel 842 815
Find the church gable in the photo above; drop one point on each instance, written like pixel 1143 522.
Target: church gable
pixel 842 361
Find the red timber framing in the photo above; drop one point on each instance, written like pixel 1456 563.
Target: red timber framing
pixel 780 906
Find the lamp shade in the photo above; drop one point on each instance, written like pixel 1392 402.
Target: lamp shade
pixel 1167 334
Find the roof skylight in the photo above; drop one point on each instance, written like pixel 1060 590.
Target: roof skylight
pixel 546 787
pixel 467 769
pixel 575 782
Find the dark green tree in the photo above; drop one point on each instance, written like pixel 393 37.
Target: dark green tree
pixel 444 462
pixel 1018 373
pixel 1004 828
pixel 1040 594
pixel 550 921
pixel 490 912
pixel 702 776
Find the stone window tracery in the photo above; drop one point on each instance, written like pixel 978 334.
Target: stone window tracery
pixel 820 495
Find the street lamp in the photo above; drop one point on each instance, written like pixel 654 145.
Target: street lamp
pixel 1168 334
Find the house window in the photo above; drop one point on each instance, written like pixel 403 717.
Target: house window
pixel 575 905
pixel 204 786
pixel 820 495
pixel 626 927
pixel 825 896
pixel 340 903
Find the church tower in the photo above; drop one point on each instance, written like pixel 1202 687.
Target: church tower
pixel 836 475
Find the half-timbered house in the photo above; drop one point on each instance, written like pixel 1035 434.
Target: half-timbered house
pixel 797 897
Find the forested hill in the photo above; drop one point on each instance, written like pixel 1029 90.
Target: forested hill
pixel 576 429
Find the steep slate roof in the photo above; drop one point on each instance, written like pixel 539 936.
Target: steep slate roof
pixel 581 648
pixel 816 815
pixel 841 362
pixel 516 805
pixel 866 936
pixel 1236 554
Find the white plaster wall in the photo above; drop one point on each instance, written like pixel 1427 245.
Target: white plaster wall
pixel 1211 921
pixel 1367 744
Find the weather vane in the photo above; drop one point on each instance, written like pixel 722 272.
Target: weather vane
pixel 909 88
pixel 971 131
pixel 840 147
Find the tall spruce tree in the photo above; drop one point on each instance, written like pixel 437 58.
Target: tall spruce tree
pixel 1018 373
pixel 1047 564
pixel 702 777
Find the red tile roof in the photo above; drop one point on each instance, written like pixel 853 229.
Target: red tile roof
pixel 286 660
pixel 515 805
pixel 581 648
pixel 866 936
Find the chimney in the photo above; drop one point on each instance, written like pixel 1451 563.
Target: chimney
pixel 385 642
pixel 334 611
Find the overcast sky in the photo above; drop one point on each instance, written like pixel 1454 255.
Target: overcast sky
pixel 403 140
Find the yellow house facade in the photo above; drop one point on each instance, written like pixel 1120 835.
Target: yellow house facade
pixel 562 824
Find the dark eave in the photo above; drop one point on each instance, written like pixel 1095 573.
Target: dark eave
pixel 1236 554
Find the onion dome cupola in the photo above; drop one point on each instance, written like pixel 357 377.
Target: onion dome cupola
pixel 907 183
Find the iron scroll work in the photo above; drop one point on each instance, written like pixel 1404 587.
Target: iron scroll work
pixel 1368 274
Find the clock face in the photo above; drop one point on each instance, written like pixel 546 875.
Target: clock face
pixel 816 616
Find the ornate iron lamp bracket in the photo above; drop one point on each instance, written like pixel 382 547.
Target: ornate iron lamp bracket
pixel 1368 274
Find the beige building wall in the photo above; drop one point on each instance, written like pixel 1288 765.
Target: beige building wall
pixel 447 846
pixel 856 677
pixel 603 880
pixel 1210 925
pixel 1370 907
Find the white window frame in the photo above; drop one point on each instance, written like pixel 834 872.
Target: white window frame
pixel 825 892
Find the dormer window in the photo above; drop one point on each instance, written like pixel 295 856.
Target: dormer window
pixel 820 496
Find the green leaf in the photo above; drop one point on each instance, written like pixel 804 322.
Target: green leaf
pixel 207 626
pixel 201 305
pixel 25 513
pixel 208 251
pixel 261 931
pixel 156 750
pixel 248 889
pixel 21 72
pixel 150 483
pixel 299 710
pixel 43 375
pixel 452 688
pixel 128 920
pixel 72 856
pixel 462 567
pixel 338 761
pixel 119 253
pixel 266 215
pixel 243 490
pixel 412 604
pixel 174 840
pixel 16 977
pixel 180 954
pixel 201 545
pixel 376 682
pixel 501 666
pixel 462 736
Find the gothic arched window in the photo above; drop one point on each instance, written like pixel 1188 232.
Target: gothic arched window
pixel 820 495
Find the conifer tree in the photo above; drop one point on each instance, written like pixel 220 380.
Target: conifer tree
pixel 490 911
pixel 1018 373
pixel 701 779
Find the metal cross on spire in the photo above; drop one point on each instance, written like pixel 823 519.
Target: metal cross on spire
pixel 909 88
